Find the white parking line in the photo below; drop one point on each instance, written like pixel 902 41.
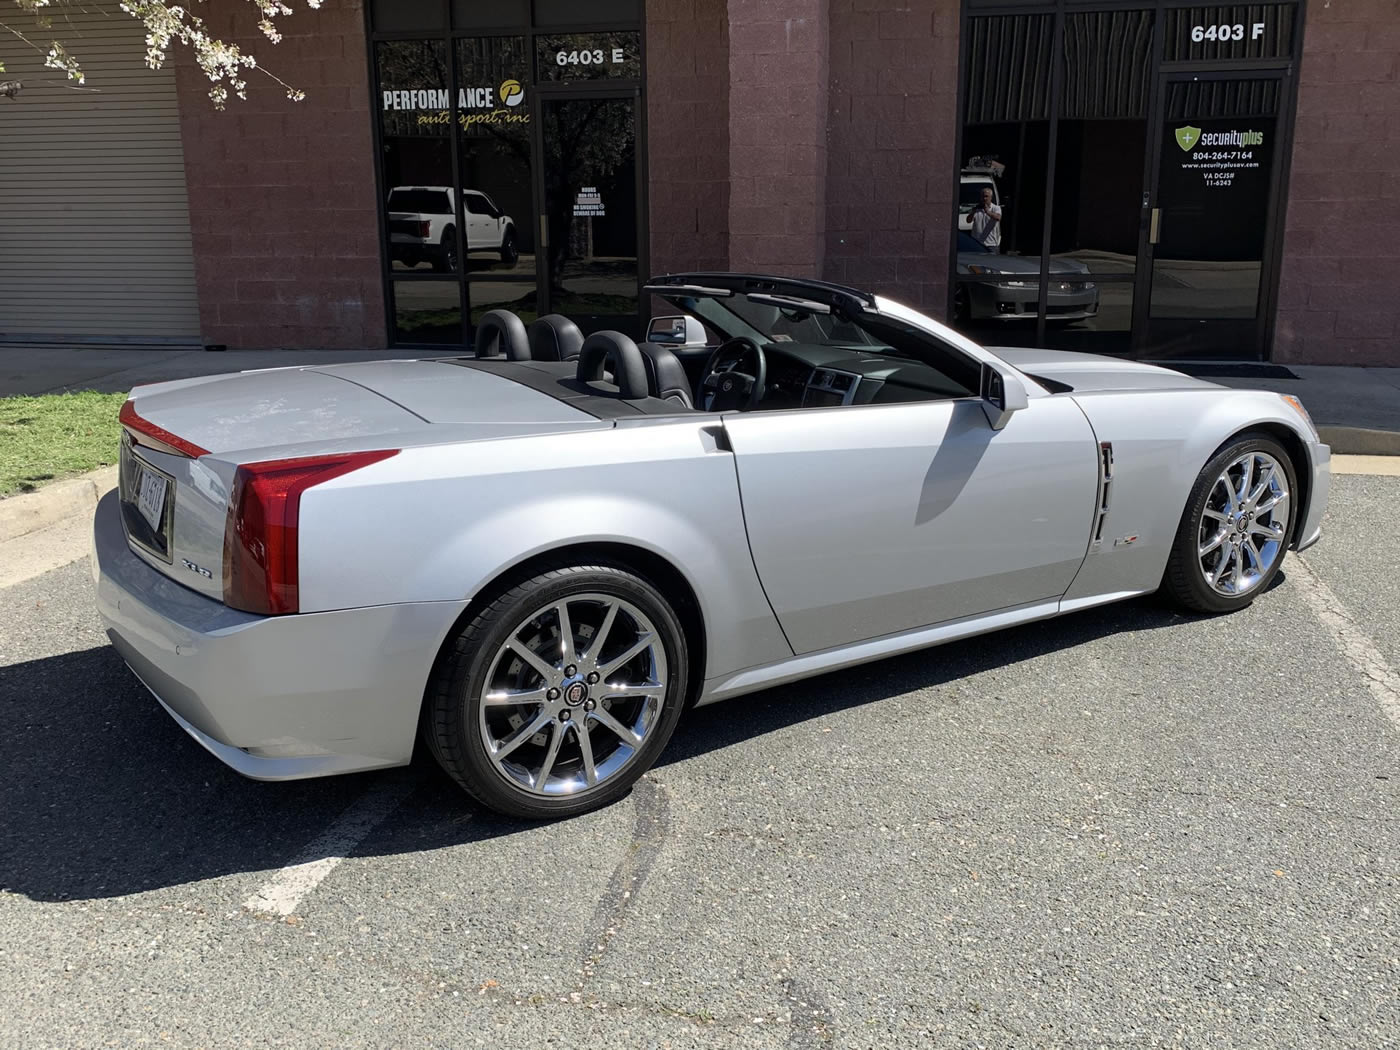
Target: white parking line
pixel 1355 645
pixel 281 894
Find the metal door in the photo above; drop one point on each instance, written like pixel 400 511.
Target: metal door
pixel 868 521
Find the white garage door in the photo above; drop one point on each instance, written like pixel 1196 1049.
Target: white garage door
pixel 94 225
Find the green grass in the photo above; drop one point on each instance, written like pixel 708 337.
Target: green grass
pixel 55 436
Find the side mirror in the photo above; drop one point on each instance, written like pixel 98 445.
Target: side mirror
pixel 1002 394
pixel 681 331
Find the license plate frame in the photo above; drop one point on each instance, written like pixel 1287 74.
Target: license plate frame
pixel 151 532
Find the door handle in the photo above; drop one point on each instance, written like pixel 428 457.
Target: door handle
pixel 1156 226
pixel 544 231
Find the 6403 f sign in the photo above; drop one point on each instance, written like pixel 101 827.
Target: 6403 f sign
pixel 1230 32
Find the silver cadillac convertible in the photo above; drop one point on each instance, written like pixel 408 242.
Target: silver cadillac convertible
pixel 535 558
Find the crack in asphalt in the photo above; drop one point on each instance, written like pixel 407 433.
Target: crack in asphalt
pixel 620 894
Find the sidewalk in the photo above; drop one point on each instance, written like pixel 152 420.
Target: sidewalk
pixel 1356 409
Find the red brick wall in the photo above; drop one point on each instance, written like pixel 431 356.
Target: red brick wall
pixel 777 135
pixel 893 122
pixel 1339 294
pixel 282 194
pixel 688 133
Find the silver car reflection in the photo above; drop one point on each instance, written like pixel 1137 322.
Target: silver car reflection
pixel 1015 296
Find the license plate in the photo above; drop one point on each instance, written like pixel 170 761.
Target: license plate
pixel 150 497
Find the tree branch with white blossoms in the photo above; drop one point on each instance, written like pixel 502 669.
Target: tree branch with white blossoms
pixel 166 24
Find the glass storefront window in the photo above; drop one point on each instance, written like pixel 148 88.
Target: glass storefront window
pixel 1213 195
pixel 520 299
pixel 1101 142
pixel 1148 242
pixel 1230 31
pixel 427 312
pixel 494 155
pixel 412 15
pixel 1001 183
pixel 420 206
pixel 489 14
pixel 571 12
pixel 590 162
pixel 589 56
pixel 509 162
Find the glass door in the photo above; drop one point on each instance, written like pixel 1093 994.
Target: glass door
pixel 1212 223
pixel 592 202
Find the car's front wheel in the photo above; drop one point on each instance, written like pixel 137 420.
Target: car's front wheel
pixel 560 692
pixel 509 253
pixel 1236 527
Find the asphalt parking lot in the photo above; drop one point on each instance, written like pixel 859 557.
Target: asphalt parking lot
pixel 1122 828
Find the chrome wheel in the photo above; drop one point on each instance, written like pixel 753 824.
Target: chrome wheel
pixel 1244 524
pixel 572 695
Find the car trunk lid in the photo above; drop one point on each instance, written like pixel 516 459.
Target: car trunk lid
pixel 183 441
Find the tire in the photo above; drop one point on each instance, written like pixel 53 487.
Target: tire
pixel 1228 549
pixel 527 758
pixel 962 305
pixel 509 254
pixel 446 259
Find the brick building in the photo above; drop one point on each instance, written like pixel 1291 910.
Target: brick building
pixel 1173 181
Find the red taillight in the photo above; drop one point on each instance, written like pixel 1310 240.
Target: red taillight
pixel 260 538
pixel 425 230
pixel 147 433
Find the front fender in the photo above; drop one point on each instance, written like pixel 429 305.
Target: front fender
pixel 449 519
pixel 1161 439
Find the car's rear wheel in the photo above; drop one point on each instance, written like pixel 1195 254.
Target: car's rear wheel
pixel 1236 527
pixel 446 261
pixel 560 692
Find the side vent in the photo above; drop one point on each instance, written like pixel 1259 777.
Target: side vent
pixel 1105 488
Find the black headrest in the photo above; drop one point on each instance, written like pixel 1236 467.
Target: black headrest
pixel 500 331
pixel 555 338
pixel 666 376
pixel 603 349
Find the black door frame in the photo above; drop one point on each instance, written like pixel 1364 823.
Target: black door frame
pixel 579 91
pixel 1271 257
pixel 538 90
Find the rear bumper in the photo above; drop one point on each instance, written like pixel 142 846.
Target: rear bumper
pixel 1319 485
pixel 275 698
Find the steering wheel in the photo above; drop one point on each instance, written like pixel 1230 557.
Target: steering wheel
pixel 735 376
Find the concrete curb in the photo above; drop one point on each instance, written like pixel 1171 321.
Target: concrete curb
pixel 31 511
pixel 1361 441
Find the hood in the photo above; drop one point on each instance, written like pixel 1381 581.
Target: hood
pixel 991 262
pixel 1086 372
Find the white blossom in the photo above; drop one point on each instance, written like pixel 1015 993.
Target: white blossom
pixel 168 24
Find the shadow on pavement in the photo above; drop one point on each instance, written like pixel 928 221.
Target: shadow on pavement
pixel 103 795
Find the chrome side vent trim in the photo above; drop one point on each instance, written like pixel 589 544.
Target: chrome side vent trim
pixel 1105 488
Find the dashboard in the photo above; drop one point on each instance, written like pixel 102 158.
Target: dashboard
pixel 804 375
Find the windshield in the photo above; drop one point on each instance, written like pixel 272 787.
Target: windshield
pixel 428 202
pixel 781 324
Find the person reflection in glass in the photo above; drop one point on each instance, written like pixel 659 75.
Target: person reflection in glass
pixel 986 223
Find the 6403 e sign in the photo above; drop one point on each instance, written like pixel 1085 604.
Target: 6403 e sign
pixel 1232 31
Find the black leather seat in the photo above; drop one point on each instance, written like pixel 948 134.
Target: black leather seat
pixel 666 376
pixel 501 332
pixel 612 351
pixel 555 338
